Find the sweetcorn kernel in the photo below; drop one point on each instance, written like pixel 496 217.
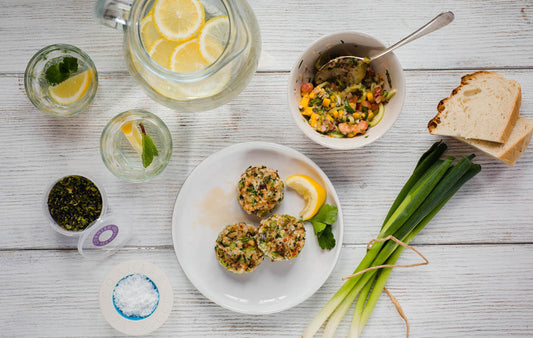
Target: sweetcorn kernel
pixel 304 102
pixel 307 111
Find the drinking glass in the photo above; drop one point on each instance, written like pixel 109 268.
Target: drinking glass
pixel 38 89
pixel 122 158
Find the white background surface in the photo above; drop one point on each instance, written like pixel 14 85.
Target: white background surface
pixel 479 280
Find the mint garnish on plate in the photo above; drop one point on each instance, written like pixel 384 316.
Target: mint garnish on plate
pixel 322 221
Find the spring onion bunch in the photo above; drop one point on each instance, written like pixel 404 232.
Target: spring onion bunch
pixel 433 182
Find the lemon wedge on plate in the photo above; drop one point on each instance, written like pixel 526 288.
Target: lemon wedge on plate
pixel 133 135
pixel 178 20
pixel 72 89
pixel 313 193
pixel 213 38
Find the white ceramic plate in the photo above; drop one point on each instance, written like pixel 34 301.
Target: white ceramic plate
pixel 207 202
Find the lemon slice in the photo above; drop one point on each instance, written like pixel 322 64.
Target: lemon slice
pixel 161 50
pixel 148 31
pixel 186 58
pixel 178 20
pixel 313 193
pixel 72 89
pixel 133 134
pixel 213 38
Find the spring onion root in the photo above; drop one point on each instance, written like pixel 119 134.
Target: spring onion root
pixel 432 183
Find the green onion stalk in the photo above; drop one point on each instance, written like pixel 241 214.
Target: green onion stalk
pixel 432 183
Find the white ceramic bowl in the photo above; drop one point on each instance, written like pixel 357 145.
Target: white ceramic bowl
pixel 303 70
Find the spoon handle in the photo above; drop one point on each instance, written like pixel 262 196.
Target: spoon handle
pixel 438 22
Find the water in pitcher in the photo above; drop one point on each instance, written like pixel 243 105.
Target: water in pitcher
pixel 190 55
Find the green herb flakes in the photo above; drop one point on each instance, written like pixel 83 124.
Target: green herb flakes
pixel 74 202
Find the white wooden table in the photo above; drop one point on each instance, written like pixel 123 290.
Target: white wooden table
pixel 480 246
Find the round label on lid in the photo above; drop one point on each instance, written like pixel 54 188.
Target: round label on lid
pixel 97 240
pixel 103 238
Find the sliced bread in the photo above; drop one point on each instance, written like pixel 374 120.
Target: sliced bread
pixel 510 151
pixel 485 107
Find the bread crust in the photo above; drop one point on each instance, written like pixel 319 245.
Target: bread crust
pixel 508 152
pixel 435 121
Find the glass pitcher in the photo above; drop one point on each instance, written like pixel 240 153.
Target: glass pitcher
pixel 205 89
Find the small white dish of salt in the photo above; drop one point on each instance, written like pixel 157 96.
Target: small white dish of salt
pixel 136 297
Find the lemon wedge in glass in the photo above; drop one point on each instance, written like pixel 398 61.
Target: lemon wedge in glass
pixel 178 20
pixel 313 193
pixel 133 135
pixel 72 89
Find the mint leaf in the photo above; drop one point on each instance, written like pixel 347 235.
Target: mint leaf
pixel 325 217
pixel 54 76
pixel 70 64
pixel 326 239
pixel 149 150
pixel 59 72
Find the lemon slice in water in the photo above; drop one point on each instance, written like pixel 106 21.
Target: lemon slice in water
pixel 213 38
pixel 72 89
pixel 148 31
pixel 186 58
pixel 313 193
pixel 161 51
pixel 178 20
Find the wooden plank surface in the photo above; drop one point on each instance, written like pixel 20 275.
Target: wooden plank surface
pixel 491 34
pixel 367 180
pixel 478 282
pixel 474 291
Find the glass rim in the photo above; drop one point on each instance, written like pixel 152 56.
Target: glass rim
pixel 32 63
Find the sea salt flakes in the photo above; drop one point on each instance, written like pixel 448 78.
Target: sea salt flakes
pixel 136 296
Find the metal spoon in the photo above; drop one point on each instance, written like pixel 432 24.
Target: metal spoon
pixel 352 69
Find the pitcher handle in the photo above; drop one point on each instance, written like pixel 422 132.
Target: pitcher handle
pixel 113 13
